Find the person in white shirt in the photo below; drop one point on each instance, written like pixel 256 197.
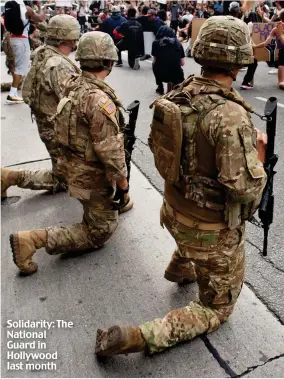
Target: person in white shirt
pixel 21 49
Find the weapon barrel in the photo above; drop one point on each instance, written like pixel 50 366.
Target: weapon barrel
pixel 270 112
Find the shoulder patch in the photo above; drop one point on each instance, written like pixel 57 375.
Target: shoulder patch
pixel 109 107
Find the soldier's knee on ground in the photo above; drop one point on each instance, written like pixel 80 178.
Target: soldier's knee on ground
pixel 101 232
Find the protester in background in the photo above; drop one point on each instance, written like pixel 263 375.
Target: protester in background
pixel 131 33
pixel 168 56
pixel 175 9
pixel 109 26
pixel 162 15
pixel 93 20
pixel 104 15
pixel 19 44
pixel 209 11
pixel 82 16
pixel 146 26
pixel 154 21
pixel 218 8
pixel 278 35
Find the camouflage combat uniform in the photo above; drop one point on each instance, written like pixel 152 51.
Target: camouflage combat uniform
pixel 42 90
pixel 38 36
pixel 94 160
pixel 217 187
pixel 87 130
pixel 227 171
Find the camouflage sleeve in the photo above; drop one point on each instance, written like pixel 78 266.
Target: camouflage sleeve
pixel 55 76
pixel 233 134
pixel 108 141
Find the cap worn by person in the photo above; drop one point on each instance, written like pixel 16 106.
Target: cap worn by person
pixel 151 12
pixel 234 6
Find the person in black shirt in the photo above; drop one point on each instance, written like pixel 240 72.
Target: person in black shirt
pixel 132 39
pixel 168 56
pixel 93 20
pixel 154 22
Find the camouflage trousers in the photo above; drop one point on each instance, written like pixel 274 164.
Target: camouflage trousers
pixel 99 223
pixel 50 180
pixel 218 258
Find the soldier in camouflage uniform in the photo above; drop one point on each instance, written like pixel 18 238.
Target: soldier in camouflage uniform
pixel 42 90
pixel 38 36
pixel 219 187
pixel 88 127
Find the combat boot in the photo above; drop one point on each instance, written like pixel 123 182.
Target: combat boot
pixel 8 178
pixel 119 340
pixel 126 206
pixel 180 270
pixel 24 245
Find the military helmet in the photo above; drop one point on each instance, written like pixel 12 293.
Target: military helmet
pixel 95 46
pixel 223 41
pixel 63 27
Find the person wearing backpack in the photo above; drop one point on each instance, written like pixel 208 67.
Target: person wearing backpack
pixel 89 130
pixel 17 17
pixel 211 158
pixel 42 90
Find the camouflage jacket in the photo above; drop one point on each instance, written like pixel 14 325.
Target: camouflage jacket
pixel 89 127
pixel 222 176
pixel 44 83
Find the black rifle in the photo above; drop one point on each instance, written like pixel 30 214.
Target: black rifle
pixel 129 136
pixel 265 211
pixel 129 141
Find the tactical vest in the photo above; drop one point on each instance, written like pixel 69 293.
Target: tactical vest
pixel 191 176
pixel 68 132
pixel 31 87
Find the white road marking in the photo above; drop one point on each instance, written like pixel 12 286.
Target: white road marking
pixel 264 99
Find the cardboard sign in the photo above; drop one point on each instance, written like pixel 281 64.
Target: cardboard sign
pixel 260 33
pixel 196 25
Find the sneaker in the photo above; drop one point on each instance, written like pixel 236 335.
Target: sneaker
pixel 246 86
pixel 14 100
pixel 118 64
pixel 243 69
pixel 274 71
pixel 136 65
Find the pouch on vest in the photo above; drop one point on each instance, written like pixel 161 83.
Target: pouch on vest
pixel 165 139
pixel 65 120
pixel 28 86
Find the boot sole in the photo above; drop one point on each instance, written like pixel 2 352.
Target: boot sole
pixel 126 208
pixel 13 242
pixel 177 279
pixel 111 338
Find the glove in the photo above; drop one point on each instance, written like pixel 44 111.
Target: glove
pixel 121 197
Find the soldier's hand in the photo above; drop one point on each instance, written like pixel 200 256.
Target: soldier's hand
pixel 261 144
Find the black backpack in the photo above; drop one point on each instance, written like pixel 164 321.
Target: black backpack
pixel 12 18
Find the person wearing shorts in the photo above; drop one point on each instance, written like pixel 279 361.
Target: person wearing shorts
pixel 21 50
pixel 278 34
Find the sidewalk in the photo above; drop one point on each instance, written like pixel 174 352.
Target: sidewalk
pixel 123 283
